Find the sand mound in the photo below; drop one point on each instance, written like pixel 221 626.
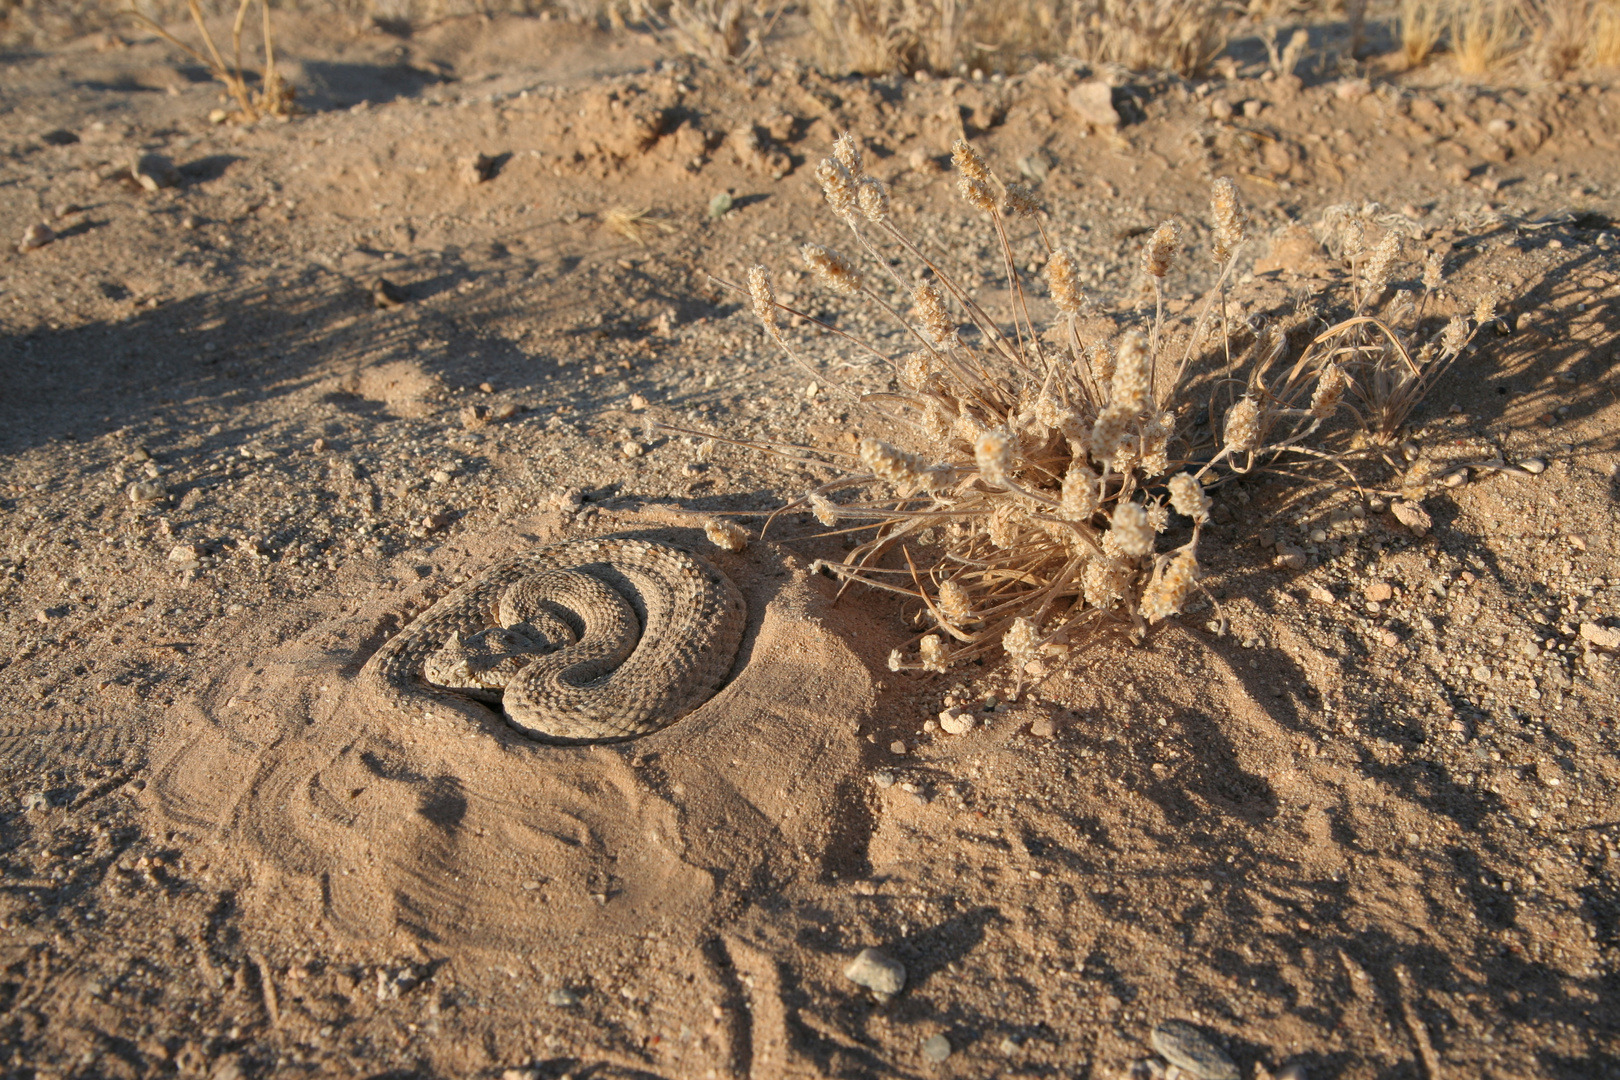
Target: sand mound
pixel 472 838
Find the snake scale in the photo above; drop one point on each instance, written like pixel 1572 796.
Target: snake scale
pixel 588 641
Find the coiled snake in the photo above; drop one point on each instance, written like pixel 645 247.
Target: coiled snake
pixel 588 641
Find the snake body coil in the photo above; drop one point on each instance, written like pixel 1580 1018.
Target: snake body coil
pixel 590 641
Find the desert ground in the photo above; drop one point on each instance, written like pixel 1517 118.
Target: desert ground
pixel 273 388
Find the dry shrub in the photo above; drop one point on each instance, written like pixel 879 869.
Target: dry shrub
pixel 274 96
pixel 1569 34
pixel 1484 33
pixel 709 28
pixel 1021 504
pixel 883 36
pixel 1182 36
pixel 1422 22
pixel 1604 41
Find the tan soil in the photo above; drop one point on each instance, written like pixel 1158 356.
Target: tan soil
pixel 1373 840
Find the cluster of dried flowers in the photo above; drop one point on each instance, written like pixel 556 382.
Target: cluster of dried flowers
pixel 1023 504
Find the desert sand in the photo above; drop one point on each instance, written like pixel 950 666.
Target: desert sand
pixel 1368 830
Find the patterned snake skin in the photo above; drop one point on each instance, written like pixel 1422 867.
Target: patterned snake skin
pixel 570 669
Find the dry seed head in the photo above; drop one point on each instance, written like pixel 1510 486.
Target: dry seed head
pixel 993 453
pixel 1022 641
pixel 1330 386
pixel 835 271
pixel 1352 237
pixel 1063 278
pixel 1167 593
pixel 931 649
pixel 1455 335
pixel 1243 426
pixel 1079 500
pixel 1106 581
pixel 1155 451
pixel 891 463
pixel 1130 384
pixel 1433 271
pixel 977 193
pixel 848 153
pixel 1003 525
pixel 937 424
pixel 969 163
pixel 1132 532
pixel 967 428
pixel 874 198
pixel 1161 249
pixel 1101 356
pixel 725 535
pixel 897 660
pixel 839 187
pixel 759 287
pixel 935 317
pixel 1187 497
pixel 1109 433
pixel 955 604
pixel 1230 219
pixel 825 509
pixel 1485 310
pixel 916 368
pixel 1019 201
pixel 1382 261
pixel 1158 517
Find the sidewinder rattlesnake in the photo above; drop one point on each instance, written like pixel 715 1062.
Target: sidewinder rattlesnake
pixel 552 634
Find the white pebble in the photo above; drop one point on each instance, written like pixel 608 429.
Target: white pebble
pixel 878 973
pixel 1534 466
pixel 956 721
pixel 36 235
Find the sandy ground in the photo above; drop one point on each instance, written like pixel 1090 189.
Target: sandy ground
pixel 1369 831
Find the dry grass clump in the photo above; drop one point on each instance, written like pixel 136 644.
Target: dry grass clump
pixel 1422 23
pixel 273 97
pixel 1182 36
pixel 1484 33
pixel 1555 36
pixel 1037 467
pixel 883 36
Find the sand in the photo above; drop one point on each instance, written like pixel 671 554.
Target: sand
pixel 1368 829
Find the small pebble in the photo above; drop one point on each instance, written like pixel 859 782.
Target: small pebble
pixel 897 747
pixel 36 800
pixel 726 536
pixel 1456 479
pixel 186 552
pixel 878 973
pixel 154 171
pixel 1534 466
pixel 883 778
pixel 955 721
pixel 1043 728
pixel 632 449
pixel 36 235
pixel 1379 592
pixel 1390 638
pixel 520 1074
pixel 476 169
pixel 562 998
pixel 936 1048
pixel 385 294
pixel 145 491
pixel 1190 1050
pixel 637 402
pixel 504 411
